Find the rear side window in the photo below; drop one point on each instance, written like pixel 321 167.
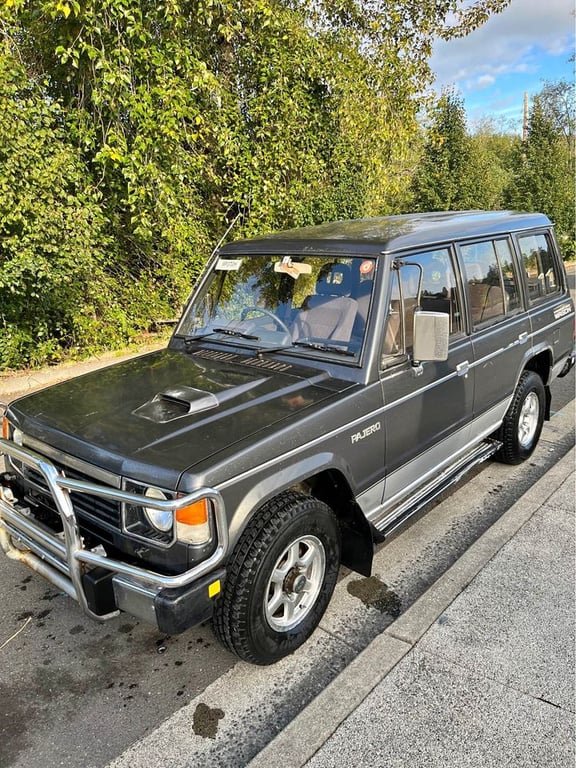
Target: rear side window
pixel 540 266
pixel 492 281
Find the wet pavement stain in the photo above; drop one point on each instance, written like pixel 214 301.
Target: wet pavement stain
pixel 50 595
pixel 13 709
pixel 205 721
pixel 125 629
pixel 375 594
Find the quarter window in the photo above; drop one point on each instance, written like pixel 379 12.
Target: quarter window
pixel 540 266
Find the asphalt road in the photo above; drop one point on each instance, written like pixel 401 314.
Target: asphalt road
pixel 77 693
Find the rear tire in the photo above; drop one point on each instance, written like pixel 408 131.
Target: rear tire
pixel 280 579
pixel 522 425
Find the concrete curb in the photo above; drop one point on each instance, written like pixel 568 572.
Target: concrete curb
pixel 306 734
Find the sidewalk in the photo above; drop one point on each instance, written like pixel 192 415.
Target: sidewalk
pixel 479 672
pixel 18 383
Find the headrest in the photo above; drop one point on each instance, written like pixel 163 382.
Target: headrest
pixel 474 272
pixel 334 280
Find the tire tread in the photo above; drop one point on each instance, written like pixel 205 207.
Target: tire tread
pixel 229 622
pixel 510 452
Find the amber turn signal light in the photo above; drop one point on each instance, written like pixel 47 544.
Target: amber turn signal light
pixel 193 524
pixel 195 514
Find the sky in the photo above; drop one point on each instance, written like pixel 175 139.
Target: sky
pixel 513 53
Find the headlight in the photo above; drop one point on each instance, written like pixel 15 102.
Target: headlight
pixel 191 524
pixel 161 520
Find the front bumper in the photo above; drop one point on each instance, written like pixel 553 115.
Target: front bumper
pixel 103 586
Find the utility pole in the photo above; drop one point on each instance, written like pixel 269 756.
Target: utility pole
pixel 525 118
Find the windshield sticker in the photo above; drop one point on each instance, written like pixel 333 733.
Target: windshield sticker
pixel 229 265
pixel 366 267
pixel 292 268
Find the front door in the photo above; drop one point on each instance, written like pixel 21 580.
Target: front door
pixel 427 416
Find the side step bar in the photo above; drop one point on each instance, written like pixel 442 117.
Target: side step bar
pixel 435 487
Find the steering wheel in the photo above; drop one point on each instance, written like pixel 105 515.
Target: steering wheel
pixel 269 314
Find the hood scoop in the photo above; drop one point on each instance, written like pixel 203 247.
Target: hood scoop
pixel 176 402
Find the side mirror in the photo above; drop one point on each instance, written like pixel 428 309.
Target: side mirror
pixel 431 332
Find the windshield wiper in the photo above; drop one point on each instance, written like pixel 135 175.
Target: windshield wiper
pixel 263 350
pixel 234 332
pixel 325 348
pixel 225 331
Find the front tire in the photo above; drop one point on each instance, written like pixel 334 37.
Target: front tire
pixel 522 425
pixel 280 579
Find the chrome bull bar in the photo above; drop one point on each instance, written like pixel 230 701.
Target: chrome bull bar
pixel 63 562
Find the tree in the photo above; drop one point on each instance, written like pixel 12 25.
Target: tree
pixel 54 294
pixel 181 116
pixel 443 178
pixel 544 165
pixel 491 151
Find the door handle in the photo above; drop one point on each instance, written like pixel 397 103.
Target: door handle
pixel 523 338
pixel 463 368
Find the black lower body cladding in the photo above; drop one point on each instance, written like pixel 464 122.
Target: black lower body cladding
pixel 180 609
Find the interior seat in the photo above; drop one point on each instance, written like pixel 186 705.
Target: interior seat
pixel 330 312
pixel 486 300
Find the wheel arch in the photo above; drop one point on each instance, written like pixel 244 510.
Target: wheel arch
pixel 357 543
pixel 541 363
pixel 322 478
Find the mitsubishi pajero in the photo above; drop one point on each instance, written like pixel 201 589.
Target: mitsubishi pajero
pixel 321 387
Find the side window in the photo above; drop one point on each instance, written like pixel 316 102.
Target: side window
pixel 393 338
pixel 511 289
pixel 492 281
pixel 540 266
pixel 439 293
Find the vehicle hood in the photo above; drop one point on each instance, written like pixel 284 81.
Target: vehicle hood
pixel 169 409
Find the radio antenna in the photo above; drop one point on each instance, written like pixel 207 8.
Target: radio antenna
pixel 225 235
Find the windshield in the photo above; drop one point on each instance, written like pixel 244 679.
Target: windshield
pixel 313 305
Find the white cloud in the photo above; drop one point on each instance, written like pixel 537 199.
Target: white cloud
pixel 508 43
pixel 484 81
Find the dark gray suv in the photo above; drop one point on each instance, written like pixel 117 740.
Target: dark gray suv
pixel 321 387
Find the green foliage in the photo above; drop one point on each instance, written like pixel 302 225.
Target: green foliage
pixel 443 179
pixel 544 165
pixel 492 168
pixel 52 239
pixel 133 132
pixel 490 165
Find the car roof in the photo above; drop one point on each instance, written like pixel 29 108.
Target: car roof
pixel 389 233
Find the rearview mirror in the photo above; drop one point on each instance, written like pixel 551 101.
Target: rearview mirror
pixel 431 331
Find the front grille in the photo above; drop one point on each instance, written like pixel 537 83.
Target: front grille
pixel 90 509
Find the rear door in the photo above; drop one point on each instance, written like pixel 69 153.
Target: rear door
pixel 499 323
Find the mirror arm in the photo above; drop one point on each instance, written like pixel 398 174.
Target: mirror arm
pixel 416 368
